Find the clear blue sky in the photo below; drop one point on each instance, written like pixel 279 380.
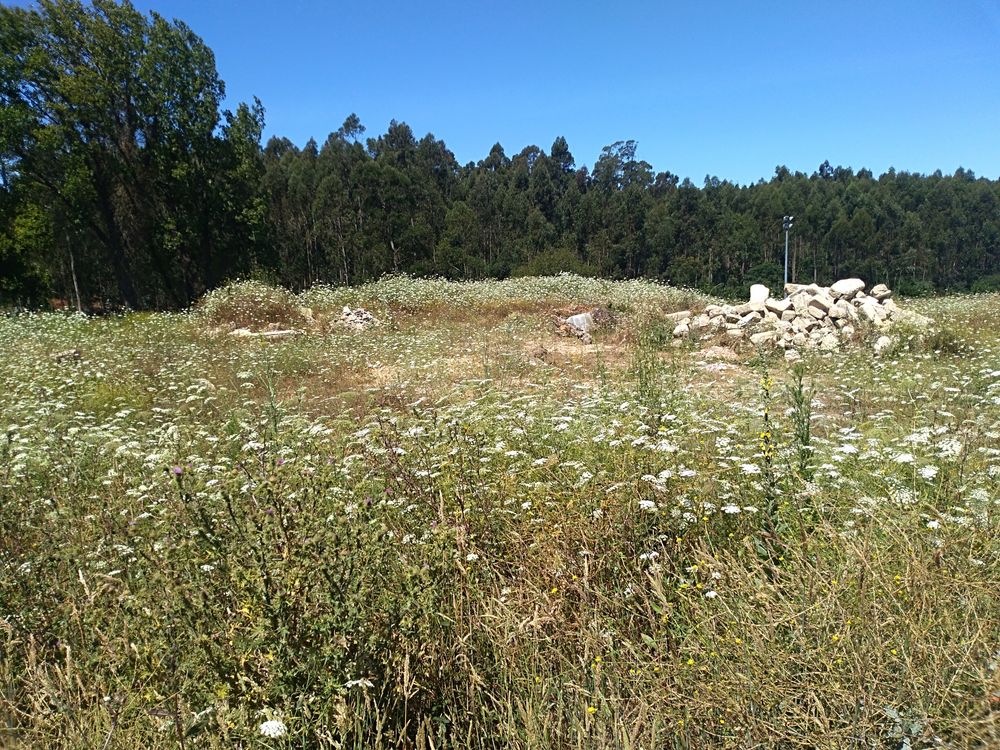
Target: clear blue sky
pixel 730 89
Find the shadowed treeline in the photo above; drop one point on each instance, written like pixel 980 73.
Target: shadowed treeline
pixel 122 182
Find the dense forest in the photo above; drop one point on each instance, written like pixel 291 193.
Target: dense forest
pixel 123 182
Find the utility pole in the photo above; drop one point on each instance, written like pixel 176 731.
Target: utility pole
pixel 786 222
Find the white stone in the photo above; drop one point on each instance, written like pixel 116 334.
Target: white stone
pixel 674 317
pixel 764 337
pixel 883 343
pixel 747 307
pixel 873 311
pixel 816 312
pixel 759 293
pixel 749 319
pixel 821 301
pixel 681 329
pixel 583 321
pixel 829 342
pixel 881 292
pixel 777 306
pixel 846 288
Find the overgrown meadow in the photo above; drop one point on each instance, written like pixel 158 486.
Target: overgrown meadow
pixel 457 530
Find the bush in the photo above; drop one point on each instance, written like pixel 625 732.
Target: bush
pixel 986 284
pixel 250 304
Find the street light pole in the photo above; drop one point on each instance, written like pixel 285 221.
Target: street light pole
pixel 786 222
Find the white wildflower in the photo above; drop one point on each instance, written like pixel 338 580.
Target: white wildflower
pixel 273 728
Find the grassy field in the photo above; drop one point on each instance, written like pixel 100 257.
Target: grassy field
pixel 458 530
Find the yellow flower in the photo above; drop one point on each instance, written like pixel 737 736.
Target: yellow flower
pixel 591 710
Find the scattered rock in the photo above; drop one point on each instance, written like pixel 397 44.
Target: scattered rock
pixel 759 293
pixel 846 288
pixel 881 292
pixel 777 306
pixel 69 355
pixel 683 314
pixel 883 343
pixel 583 321
pixel 356 320
pixel 682 329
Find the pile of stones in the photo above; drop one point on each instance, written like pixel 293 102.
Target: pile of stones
pixel 807 317
pixel 357 320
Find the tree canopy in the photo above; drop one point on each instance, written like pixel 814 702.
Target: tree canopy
pixel 123 183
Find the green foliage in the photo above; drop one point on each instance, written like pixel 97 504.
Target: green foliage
pixel 188 199
pixel 552 262
pixel 986 284
pixel 110 129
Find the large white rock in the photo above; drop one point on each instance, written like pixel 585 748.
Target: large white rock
pixel 821 301
pixel 847 288
pixel 841 309
pixel 881 292
pixel 681 329
pixel 763 337
pixel 873 312
pixel 583 321
pixel 676 316
pixel 777 306
pixel 759 293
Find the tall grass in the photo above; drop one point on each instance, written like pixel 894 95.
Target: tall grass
pixel 203 540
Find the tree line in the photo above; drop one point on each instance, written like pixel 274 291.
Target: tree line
pixel 123 182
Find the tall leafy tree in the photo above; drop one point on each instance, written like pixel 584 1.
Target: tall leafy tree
pixel 113 116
